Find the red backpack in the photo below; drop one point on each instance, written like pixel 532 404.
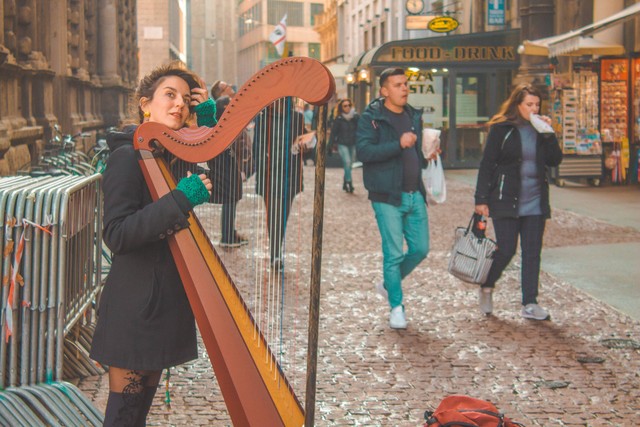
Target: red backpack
pixel 465 411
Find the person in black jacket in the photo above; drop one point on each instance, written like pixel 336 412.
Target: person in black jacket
pixel 513 189
pixel 226 177
pixel 278 162
pixel 388 141
pixel 145 323
pixel 343 134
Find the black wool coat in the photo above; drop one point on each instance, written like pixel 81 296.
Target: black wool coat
pixel 499 181
pixel 145 321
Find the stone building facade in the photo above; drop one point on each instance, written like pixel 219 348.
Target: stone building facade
pixel 68 62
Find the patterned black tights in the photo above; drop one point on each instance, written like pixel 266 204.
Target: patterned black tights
pixel 130 397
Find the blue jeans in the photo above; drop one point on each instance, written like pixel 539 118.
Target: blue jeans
pixel 409 222
pixel 348 156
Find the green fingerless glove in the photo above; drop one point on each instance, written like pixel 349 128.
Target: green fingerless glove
pixel 206 112
pixel 194 189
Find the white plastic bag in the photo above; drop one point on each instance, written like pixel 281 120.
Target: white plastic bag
pixel 433 178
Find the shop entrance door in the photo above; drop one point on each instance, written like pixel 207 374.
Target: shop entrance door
pixel 474 97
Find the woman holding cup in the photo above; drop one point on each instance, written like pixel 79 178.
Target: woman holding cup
pixel 513 190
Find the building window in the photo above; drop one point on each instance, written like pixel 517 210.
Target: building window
pixel 276 9
pixel 314 51
pixel 250 19
pixel 316 9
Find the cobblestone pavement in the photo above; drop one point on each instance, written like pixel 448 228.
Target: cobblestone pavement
pixel 578 369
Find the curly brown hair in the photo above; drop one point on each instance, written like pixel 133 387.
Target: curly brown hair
pixel 149 83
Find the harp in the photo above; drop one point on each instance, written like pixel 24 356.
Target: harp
pixel 251 378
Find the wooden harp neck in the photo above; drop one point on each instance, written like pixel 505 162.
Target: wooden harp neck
pixel 299 77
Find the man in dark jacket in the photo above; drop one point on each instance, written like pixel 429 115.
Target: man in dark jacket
pixel 388 143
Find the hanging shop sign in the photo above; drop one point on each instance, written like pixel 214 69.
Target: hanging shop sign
pixel 496 49
pixel 457 53
pixel 443 24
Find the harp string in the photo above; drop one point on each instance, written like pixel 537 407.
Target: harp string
pixel 268 197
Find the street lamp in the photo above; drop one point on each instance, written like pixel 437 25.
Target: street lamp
pixel 363 75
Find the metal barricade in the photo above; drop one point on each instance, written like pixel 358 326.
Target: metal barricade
pixel 51 269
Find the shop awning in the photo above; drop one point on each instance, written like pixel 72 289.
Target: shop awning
pixel 570 42
pixel 339 71
pixel 355 62
pixel 583 46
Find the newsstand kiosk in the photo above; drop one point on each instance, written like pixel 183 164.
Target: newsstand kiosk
pixel 574 110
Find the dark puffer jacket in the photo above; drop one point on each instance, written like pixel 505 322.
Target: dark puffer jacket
pixel 379 150
pixel 343 131
pixel 499 175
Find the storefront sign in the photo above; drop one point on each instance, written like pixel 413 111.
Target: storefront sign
pixel 443 24
pixel 495 12
pixel 458 53
pixel 421 82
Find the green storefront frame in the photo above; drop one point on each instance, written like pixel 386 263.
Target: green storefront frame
pixel 459 81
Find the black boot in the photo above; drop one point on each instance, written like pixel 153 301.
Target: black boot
pixel 147 401
pixel 349 187
pixel 123 409
pixel 345 187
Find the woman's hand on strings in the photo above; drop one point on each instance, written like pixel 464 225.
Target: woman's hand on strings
pixel 205 180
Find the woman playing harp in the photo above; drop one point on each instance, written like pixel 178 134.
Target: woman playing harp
pixel 239 333
pixel 145 323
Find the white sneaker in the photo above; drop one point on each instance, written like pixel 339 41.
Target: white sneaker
pixel 486 300
pixel 534 311
pixel 380 289
pixel 397 319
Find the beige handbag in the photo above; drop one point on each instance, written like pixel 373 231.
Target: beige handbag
pixel 471 256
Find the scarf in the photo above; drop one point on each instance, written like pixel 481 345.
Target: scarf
pixel 348 116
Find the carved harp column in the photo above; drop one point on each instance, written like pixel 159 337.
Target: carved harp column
pixel 251 379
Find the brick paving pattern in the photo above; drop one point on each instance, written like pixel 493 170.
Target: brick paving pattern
pixel 551 373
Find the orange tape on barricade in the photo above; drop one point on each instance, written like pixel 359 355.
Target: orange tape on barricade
pixel 14 271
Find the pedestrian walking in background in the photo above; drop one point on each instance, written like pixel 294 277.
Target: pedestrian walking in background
pixel 388 141
pixel 343 135
pixel 310 125
pixel 278 169
pixel 145 323
pixel 308 117
pixel 231 168
pixel 513 190
pixel 226 178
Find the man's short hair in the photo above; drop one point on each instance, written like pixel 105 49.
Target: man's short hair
pixel 216 91
pixel 390 72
